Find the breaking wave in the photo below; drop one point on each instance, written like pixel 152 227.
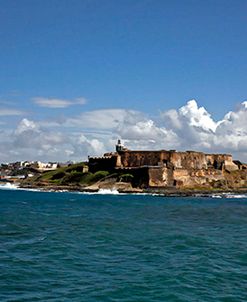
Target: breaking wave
pixel 108 191
pixel 9 186
pixel 229 195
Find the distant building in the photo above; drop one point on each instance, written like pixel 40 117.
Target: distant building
pixel 46 166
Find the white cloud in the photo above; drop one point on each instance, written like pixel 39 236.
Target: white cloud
pixel 197 130
pixel 104 119
pixel 58 103
pixel 9 112
pixel 26 125
pixel 146 134
pixel 197 117
pixel 190 127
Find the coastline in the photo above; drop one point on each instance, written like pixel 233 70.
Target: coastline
pixel 165 192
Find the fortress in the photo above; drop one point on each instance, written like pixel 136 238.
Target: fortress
pixel 173 169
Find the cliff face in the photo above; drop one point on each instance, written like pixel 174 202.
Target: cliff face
pixel 188 169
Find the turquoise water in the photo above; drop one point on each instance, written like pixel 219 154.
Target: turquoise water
pixel 74 247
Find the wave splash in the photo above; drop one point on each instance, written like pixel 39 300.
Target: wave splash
pixel 229 195
pixel 108 191
pixel 9 186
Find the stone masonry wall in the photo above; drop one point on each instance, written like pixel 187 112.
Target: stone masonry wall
pixel 173 169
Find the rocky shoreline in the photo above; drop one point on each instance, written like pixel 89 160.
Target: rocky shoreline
pixel 127 190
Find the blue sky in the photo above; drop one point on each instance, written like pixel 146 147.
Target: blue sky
pixel 144 56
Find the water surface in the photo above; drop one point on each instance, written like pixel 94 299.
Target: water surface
pixel 75 247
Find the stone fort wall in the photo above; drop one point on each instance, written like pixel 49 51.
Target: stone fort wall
pixel 185 160
pixel 169 168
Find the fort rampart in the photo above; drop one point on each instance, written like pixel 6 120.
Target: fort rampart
pixel 170 168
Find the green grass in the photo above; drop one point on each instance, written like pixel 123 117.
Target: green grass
pixel 61 172
pixel 72 174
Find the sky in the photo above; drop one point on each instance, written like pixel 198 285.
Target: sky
pixel 76 75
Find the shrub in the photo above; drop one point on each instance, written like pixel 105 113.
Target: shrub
pixel 74 177
pixel 86 178
pixel 126 177
pixel 99 175
pixel 58 175
pixel 75 168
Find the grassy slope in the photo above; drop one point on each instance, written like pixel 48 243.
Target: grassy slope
pixel 72 174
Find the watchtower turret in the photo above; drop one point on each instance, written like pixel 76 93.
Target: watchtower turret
pixel 119 146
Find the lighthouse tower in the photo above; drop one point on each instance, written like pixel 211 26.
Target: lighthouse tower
pixel 119 146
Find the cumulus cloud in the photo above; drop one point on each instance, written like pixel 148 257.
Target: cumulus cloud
pixel 58 103
pixel 197 116
pixel 231 132
pixel 25 125
pixel 146 134
pixel 196 129
pixel 32 140
pixel 190 127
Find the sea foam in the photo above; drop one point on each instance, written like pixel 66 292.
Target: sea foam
pixel 9 186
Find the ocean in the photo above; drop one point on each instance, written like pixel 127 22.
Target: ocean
pixel 132 248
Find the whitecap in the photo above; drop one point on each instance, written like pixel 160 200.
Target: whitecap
pixel 216 196
pixel 235 196
pixel 9 186
pixel 101 192
pixel 108 191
